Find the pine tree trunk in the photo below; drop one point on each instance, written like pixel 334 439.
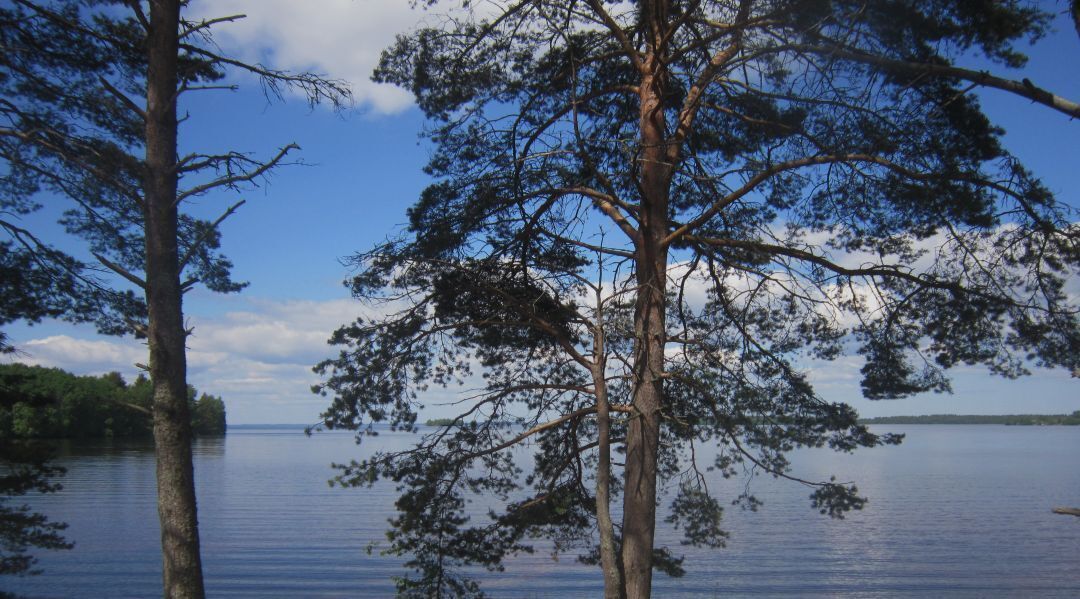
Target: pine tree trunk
pixel 639 501
pixel 609 556
pixel 181 564
pixel 643 434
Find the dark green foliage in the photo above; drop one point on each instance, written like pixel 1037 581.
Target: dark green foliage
pixel 48 403
pixel 25 413
pixel 698 514
pixel 1076 14
pixel 208 416
pixel 439 422
pixel 807 184
pixel 40 282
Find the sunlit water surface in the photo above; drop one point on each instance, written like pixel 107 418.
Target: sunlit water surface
pixel 958 511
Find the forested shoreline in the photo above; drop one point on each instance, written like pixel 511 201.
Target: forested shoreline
pixel 40 403
pixel 1007 419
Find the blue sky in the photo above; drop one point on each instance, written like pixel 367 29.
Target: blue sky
pixel 363 169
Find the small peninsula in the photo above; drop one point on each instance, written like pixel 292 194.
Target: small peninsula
pixel 49 403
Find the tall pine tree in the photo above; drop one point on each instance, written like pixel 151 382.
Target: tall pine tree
pixel 88 115
pixel 645 217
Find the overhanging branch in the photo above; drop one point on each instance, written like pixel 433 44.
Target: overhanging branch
pixel 542 427
pixel 1024 87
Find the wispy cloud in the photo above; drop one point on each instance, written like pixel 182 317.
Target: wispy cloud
pixel 270 331
pixel 341 39
pixel 82 355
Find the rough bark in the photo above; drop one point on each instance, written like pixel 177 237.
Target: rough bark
pixel 643 434
pixel 609 556
pixel 181 563
pixel 642 444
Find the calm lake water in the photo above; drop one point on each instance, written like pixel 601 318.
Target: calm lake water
pixel 959 511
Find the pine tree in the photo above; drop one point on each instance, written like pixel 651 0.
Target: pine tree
pixel 88 115
pixel 645 217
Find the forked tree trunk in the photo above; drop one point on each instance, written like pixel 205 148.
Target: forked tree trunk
pixel 181 564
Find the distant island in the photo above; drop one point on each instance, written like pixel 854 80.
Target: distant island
pixel 298 427
pixel 1010 419
pixel 49 403
pixel 439 422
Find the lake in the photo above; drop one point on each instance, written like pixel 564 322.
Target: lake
pixel 959 511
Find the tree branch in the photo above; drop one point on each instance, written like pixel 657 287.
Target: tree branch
pixel 607 205
pixel 697 90
pixel 758 179
pixel 540 428
pixel 196 27
pixel 314 86
pixel 1024 87
pixel 120 270
pixel 124 99
pixel 202 238
pixel 233 180
pixel 620 35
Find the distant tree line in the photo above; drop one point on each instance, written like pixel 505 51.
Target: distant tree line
pixel 1012 419
pixel 439 422
pixel 38 402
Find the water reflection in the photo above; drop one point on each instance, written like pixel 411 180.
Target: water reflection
pixel 74 449
pixel 958 511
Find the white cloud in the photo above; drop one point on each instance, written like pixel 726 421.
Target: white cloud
pixel 341 39
pixel 90 356
pixel 258 358
pixel 272 332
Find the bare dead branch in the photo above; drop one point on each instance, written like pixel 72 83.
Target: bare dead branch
pixel 207 23
pixel 232 181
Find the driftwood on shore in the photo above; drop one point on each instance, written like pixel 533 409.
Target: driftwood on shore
pixel 1069 511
